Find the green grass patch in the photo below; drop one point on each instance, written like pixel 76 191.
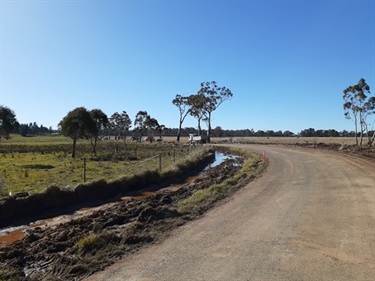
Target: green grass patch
pixel 95 242
pixel 203 198
pixel 31 167
pixel 36 140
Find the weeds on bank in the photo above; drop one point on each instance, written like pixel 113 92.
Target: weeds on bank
pixel 96 242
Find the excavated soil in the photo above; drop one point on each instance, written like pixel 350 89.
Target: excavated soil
pixel 365 151
pixel 76 248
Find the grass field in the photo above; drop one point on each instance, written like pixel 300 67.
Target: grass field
pixel 32 164
pixel 36 140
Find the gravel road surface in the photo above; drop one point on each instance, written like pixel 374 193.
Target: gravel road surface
pixel 311 216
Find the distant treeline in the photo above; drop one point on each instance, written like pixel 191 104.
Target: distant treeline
pixel 219 132
pixel 34 129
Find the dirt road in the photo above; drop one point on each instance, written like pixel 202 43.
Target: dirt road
pixel 310 217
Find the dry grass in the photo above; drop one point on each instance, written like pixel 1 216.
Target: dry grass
pixel 273 140
pixel 286 140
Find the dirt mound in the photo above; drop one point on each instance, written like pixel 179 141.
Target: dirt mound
pixel 366 151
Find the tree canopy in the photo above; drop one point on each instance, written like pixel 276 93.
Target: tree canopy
pixel 101 121
pixel 8 122
pixel 78 124
pixel 120 124
pixel 213 97
pixel 144 122
pixel 201 105
pixel 197 103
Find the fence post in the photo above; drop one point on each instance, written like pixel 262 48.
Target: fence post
pixel 159 162
pixel 84 169
pixel 174 155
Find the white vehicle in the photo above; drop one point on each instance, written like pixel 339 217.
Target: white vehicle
pixel 194 138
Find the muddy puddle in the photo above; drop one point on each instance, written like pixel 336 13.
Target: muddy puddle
pixel 219 158
pixel 12 237
pixel 11 234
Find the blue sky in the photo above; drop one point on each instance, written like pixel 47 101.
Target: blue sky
pixel 286 62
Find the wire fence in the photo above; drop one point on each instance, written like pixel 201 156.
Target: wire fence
pixel 34 171
pixel 160 162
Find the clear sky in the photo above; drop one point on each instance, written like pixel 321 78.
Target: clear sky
pixel 286 62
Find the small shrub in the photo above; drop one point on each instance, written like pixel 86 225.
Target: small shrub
pixel 203 199
pixel 52 189
pixel 95 242
pixel 88 243
pixel 232 182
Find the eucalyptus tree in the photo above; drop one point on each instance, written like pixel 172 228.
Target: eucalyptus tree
pixel 151 125
pixel 78 124
pixel 214 96
pixel 159 129
pixel 358 105
pixel 101 121
pixel 197 103
pixel 8 122
pixel 144 122
pixel 369 110
pixel 139 126
pixel 183 107
pixel 120 124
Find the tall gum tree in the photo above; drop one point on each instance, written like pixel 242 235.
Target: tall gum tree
pixel 358 106
pixel 214 97
pixel 151 125
pixel 144 122
pixel 197 103
pixel 183 107
pixel 120 124
pixel 101 121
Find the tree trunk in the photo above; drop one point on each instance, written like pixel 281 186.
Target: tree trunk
pixel 209 128
pixel 371 139
pixel 94 148
pixel 199 127
pixel 74 148
pixel 362 129
pixel 356 130
pixel 179 133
